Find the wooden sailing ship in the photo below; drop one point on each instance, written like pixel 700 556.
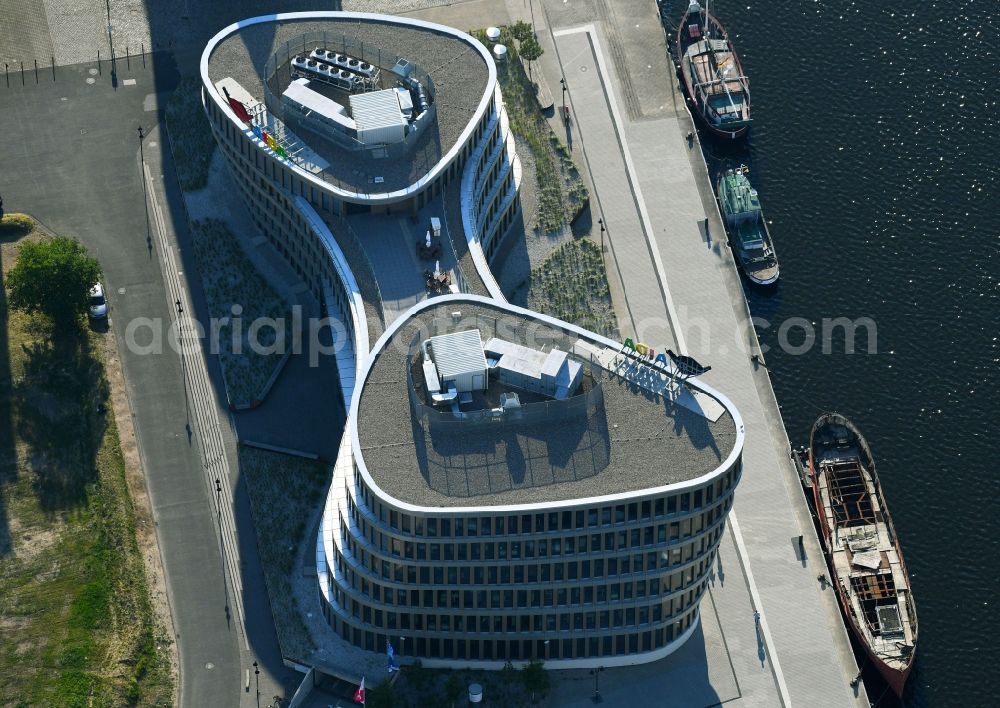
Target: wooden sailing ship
pixel 862 549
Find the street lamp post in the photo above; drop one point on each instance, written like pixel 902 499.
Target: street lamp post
pixel 563 82
pixel 600 222
pixel 180 346
pixel 222 542
pixel 145 195
pixel 256 672
pixel 596 673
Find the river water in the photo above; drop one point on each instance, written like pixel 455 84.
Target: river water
pixel 876 150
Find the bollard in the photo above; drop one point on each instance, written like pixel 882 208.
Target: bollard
pixel 53 68
pixel 99 71
pixel 36 71
pixel 142 48
pixel 128 58
pixel 6 74
pixel 22 73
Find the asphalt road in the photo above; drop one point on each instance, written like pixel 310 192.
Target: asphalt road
pixel 70 159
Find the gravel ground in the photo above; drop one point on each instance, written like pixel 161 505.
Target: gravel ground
pixel 526 249
pixel 73 30
pixel 284 491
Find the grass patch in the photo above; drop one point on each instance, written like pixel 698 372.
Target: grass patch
pixel 572 284
pixel 233 284
pixel 562 193
pixel 284 493
pixel 76 624
pixel 191 140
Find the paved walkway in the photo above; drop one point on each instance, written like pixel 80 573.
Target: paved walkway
pixel 655 200
pixel 390 242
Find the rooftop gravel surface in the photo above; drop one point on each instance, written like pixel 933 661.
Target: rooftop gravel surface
pixel 632 440
pixel 459 72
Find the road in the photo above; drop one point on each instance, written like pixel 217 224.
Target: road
pixel 71 159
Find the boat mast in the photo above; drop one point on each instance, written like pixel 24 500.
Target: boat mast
pixel 714 63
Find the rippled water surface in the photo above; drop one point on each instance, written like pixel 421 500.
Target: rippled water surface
pixel 876 149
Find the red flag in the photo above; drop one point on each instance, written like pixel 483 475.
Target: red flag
pixel 238 108
pixel 359 695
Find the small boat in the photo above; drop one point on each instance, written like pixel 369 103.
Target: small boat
pixel 862 549
pixel 746 227
pixel 712 74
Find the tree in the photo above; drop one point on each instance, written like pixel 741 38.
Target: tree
pixel 381 696
pixel 522 30
pixel 453 689
pixel 53 277
pixel 536 678
pixel 530 50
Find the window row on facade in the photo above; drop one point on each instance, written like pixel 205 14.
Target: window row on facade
pixel 504 644
pixel 385 557
pixel 663 587
pixel 562 620
pixel 401 524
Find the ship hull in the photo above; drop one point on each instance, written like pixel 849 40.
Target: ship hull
pixel 894 677
pixel 697 108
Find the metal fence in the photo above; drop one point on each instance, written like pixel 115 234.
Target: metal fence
pixel 549 412
pixel 513 328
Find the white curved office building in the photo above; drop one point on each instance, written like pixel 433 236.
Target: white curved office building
pixel 575 521
pixel 508 486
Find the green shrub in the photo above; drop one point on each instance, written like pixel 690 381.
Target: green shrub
pixel 16 224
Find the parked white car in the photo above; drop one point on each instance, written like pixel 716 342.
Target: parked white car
pixel 98 303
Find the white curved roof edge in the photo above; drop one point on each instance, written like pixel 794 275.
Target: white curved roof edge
pixel 385 197
pixel 352 420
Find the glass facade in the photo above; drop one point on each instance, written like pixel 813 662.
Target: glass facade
pixel 598 581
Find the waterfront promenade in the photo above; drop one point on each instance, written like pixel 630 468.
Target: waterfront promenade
pixel 680 289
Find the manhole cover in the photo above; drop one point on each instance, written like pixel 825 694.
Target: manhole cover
pixel 92 72
pixel 91 80
pixel 121 291
pixel 210 666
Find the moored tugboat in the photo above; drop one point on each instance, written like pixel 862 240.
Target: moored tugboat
pixel 747 229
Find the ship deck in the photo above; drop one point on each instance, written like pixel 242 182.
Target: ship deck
pixel 865 556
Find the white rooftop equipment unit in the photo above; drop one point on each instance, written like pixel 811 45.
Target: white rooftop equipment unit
pixel 377 115
pixel 459 360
